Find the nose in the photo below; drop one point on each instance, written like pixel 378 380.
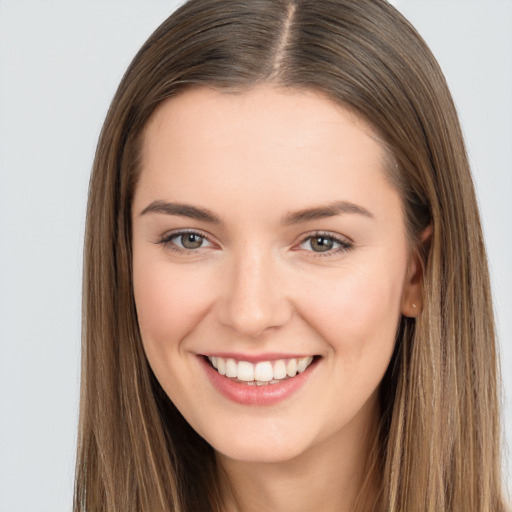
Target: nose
pixel 252 296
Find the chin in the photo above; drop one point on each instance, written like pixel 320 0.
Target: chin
pixel 256 453
pixel 245 446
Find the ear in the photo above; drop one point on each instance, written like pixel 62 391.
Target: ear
pixel 412 297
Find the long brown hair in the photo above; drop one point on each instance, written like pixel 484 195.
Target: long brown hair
pixel 439 443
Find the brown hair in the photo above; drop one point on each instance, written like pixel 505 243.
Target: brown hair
pixel 439 440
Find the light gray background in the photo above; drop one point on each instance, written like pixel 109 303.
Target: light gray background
pixel 60 62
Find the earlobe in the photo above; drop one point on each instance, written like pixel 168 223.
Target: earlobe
pixel 412 298
pixel 412 295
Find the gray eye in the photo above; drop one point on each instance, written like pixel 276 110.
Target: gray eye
pixel 191 241
pixel 321 243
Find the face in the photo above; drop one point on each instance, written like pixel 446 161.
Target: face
pixel 270 268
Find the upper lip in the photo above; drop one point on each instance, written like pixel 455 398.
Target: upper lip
pixel 256 358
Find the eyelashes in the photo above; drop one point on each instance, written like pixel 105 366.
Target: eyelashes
pixel 325 243
pixel 186 241
pixel 319 244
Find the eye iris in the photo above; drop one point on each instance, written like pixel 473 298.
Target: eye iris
pixel 321 243
pixel 191 241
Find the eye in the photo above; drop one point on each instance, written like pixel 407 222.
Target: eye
pixel 190 241
pixel 325 244
pixel 185 241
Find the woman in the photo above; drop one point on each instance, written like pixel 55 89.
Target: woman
pixel 286 296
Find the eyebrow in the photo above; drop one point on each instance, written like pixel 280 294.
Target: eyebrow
pixel 323 212
pixel 306 215
pixel 182 210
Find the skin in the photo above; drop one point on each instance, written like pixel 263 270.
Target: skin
pixel 256 286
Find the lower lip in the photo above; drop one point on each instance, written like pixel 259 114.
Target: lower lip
pixel 256 395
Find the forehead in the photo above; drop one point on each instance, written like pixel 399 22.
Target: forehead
pixel 268 105
pixel 260 146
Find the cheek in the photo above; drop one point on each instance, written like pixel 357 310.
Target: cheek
pixel 357 312
pixel 169 304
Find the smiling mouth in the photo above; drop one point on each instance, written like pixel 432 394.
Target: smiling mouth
pixel 262 373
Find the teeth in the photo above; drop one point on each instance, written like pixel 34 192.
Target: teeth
pixel 304 362
pixel 221 365
pixel 262 373
pixel 231 368
pixel 291 367
pixel 245 371
pixel 279 369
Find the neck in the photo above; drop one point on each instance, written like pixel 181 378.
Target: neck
pixel 332 476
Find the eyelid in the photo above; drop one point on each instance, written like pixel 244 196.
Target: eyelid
pixel 344 242
pixel 167 239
